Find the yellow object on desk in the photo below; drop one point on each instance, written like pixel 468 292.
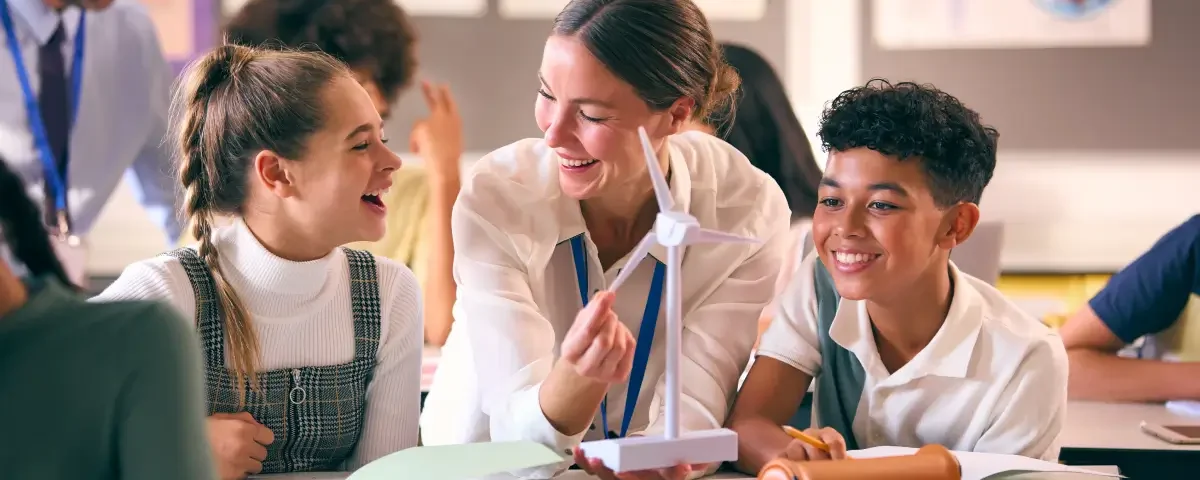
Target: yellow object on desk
pixel 1067 292
pixel 1181 341
pixel 931 462
pixel 806 438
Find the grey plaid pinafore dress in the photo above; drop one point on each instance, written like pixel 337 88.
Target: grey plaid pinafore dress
pixel 316 413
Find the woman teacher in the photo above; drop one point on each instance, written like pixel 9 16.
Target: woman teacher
pixel 543 224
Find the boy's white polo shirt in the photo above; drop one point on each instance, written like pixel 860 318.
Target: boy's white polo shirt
pixel 993 379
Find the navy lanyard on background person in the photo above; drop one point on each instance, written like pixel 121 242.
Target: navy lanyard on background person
pixel 55 179
pixel 645 338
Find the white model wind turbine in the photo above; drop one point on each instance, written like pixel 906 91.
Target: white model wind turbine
pixel 673 229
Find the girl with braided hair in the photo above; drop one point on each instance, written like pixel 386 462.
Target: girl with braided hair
pixel 378 42
pixel 312 351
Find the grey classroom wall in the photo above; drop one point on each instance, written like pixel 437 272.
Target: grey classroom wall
pixel 1144 98
pixel 1072 98
pixel 491 64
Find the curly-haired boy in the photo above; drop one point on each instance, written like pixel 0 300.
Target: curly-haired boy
pixel 905 349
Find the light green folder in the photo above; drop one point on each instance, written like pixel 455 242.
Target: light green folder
pixel 468 461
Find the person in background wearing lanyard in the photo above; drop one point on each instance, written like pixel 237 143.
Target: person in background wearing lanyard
pixel 544 223
pixel 79 110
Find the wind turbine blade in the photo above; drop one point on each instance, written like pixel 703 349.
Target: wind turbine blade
pixel 712 236
pixel 661 190
pixel 639 253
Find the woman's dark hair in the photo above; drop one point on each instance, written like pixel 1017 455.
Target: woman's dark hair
pixel 763 126
pixel 233 103
pixel 911 121
pixel 374 37
pixel 22 229
pixel 663 48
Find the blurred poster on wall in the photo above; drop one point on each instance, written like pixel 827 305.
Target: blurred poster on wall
pixel 175 22
pixel 1009 24
pixel 445 8
pixel 231 7
pixel 743 10
pixel 531 8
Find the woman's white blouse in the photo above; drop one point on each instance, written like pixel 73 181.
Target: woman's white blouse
pixel 518 294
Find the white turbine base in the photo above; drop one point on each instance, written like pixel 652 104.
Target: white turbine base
pixel 651 452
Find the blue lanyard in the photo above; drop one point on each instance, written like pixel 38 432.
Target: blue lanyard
pixel 645 333
pixel 55 179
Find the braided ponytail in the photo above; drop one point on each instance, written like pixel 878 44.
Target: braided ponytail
pixel 234 103
pixel 202 147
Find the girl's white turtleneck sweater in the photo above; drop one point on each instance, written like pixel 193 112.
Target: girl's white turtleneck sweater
pixel 301 313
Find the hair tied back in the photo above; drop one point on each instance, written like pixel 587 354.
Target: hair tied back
pixel 224 65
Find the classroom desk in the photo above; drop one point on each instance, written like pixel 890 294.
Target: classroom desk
pixel 580 475
pixel 1110 433
pixel 1117 426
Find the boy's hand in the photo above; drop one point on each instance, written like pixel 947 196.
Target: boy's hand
pixel 799 451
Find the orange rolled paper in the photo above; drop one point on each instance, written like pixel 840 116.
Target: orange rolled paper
pixel 931 462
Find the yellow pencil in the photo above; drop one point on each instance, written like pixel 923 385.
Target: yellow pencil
pixel 806 438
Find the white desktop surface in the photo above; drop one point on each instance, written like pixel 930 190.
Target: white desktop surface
pixel 1117 426
pixel 580 475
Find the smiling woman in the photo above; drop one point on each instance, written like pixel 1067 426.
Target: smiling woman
pixel 587 120
pixel 325 342
pixel 542 224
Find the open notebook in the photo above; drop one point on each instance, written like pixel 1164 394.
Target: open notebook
pixel 458 462
pixel 483 460
pixel 978 466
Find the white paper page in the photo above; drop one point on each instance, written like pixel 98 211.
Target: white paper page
pixel 978 466
pixel 1188 408
pixel 876 452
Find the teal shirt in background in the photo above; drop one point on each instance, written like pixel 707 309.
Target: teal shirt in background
pixel 99 391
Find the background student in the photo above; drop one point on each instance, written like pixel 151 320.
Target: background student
pixel 916 352
pixel 542 224
pixel 762 125
pixel 89 391
pixel 96 123
pixel 377 40
pixel 1156 297
pixel 312 352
